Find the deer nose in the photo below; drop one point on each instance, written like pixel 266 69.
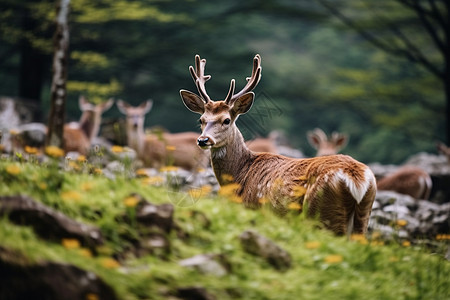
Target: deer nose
pixel 203 141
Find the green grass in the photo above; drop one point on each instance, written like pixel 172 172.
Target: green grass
pixel 358 270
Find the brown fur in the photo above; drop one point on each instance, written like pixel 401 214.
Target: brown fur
pixel 339 189
pixel 408 180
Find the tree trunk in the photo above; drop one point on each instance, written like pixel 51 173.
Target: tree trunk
pixel 58 89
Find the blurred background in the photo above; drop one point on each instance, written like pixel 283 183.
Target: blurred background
pixel 377 70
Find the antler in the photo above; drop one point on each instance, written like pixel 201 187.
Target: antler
pixel 199 77
pixel 252 81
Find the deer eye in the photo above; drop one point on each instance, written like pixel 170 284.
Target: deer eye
pixel 226 121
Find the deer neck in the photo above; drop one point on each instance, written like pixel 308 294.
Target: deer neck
pixel 233 159
pixel 136 137
pixel 90 124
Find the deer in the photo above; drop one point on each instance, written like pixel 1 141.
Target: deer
pixel 408 180
pixel 443 149
pixel 318 139
pixel 78 136
pixel 157 150
pixel 337 189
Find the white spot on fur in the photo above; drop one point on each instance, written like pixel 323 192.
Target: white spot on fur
pixel 357 188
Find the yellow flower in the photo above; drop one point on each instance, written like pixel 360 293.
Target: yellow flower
pixel 227 178
pixel 298 191
pixel 294 206
pixel 54 151
pixel 441 237
pixel 229 189
pixel 81 158
pixel 98 171
pixel 131 201
pixel 361 238
pixel 92 296
pixel 42 186
pixel 110 263
pixel 13 169
pixel 141 173
pixel 71 195
pixel 401 223
pixel 168 169
pixel 86 186
pixel 263 200
pixel 170 148
pixel 154 180
pixel 117 149
pixel 312 245
pixel 235 199
pixel 74 165
pixel 70 243
pixel 333 259
pixel 31 150
pixel 200 192
pixel 406 243
pixel 85 252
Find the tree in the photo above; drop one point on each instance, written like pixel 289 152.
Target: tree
pixel 58 89
pixel 417 30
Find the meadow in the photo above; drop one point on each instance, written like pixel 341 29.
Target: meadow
pixel 323 266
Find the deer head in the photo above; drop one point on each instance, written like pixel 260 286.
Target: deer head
pixel 92 115
pixel 324 146
pixel 218 117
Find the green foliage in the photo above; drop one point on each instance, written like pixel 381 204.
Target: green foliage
pixel 324 266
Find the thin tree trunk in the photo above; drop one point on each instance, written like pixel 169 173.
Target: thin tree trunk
pixel 58 89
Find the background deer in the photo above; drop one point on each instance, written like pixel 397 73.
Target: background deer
pixel 78 136
pixel 162 149
pixel 443 149
pixel 324 145
pixel 338 188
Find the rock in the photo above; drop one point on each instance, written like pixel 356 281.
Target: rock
pixel 213 264
pixel 20 279
pixel 46 222
pixel 194 293
pixel 258 245
pixel 155 244
pixel 156 217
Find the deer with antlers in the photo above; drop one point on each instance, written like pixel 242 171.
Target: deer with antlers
pixel 160 149
pixel 319 140
pixel 337 188
pixel 78 136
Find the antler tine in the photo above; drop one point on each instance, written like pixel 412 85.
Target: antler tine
pixel 199 77
pixel 251 81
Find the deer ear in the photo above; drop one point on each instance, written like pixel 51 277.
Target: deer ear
pixel 243 104
pixel 107 105
pixel 122 106
pixel 146 106
pixel 313 139
pixel 193 102
pixel 339 139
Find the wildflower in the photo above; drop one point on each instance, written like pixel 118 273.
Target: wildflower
pixel 43 186
pixel 168 169
pixel 70 243
pixel 81 158
pixel 54 151
pixel 406 243
pixel 110 263
pixel 298 191
pixel 312 245
pixel 361 238
pixel 13 170
pixel 263 200
pixel 85 252
pixel 441 237
pixel 333 259
pixel 97 171
pixel 199 192
pixel 401 223
pixel 86 186
pixel 229 189
pixel 117 149
pixel 294 206
pixel 71 195
pixel 131 201
pixel 170 148
pixel 227 178
pixel 92 296
pixel 154 180
pixel 141 173
pixel 30 150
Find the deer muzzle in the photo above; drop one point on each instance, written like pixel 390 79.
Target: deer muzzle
pixel 204 142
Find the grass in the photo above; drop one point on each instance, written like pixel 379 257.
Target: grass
pixel 324 266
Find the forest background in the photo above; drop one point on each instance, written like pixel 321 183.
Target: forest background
pixel 371 69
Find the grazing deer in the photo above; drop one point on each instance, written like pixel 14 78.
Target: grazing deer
pixel 408 180
pixel 324 145
pixel 158 150
pixel 338 188
pixel 78 136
